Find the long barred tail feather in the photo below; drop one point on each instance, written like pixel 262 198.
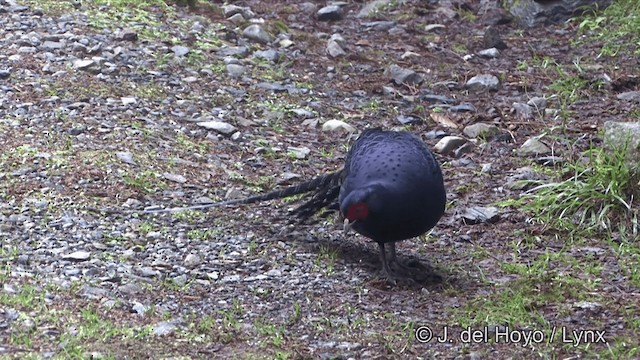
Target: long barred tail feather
pixel 321 182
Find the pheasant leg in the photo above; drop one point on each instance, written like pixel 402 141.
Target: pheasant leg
pixel 393 259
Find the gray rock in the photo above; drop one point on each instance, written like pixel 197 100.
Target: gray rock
pixel 180 50
pixel 448 144
pixel 437 98
pixel 269 54
pixel 330 13
pixel 480 214
pixel 175 178
pixel 334 49
pixel 128 100
pixel 334 125
pixel 371 8
pixel 92 292
pixel 130 289
pixel 533 146
pixel 493 39
pixel 165 328
pixel 490 53
pixel 307 8
pixel 231 10
pixel 5 73
pixel 83 64
pixel 465 107
pixel 52 45
pixel 192 260
pixel 618 134
pixel 218 126
pixel 77 256
pixel 138 308
pixel 435 134
pixel 522 178
pixel 404 119
pixel 127 35
pixel 380 26
pixel 524 111
pixel 404 76
pixel 27 49
pixel 303 113
pixel 483 82
pixel 481 130
pixel 148 272
pixel 235 70
pixel 536 13
pixel 237 19
pixel 257 33
pixel 125 157
pixel 629 96
pixel 240 51
pixel 464 149
pixel 549 160
pixel 538 103
pixel 299 152
pixel 587 305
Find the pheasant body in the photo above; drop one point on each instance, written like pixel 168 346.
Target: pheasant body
pixel 392 189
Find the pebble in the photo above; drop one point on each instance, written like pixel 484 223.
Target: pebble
pixel 125 157
pixel 533 146
pixel 192 260
pixel 299 152
pixel 235 70
pixel 257 33
pixel 334 125
pixel 481 130
pixel 483 82
pixel 166 328
pixel 404 76
pixel 448 144
pixel 77 256
pixel 180 50
pixel 480 214
pixel 218 126
pixel 330 13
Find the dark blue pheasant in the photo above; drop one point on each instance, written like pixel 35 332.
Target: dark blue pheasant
pixel 390 189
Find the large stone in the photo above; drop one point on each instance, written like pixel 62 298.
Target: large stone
pixel 533 13
pixel 404 76
pixel 258 34
pixel 481 130
pixel 618 134
pixel 218 126
pixel 330 13
pixel 483 82
pixel 448 144
pixel 533 146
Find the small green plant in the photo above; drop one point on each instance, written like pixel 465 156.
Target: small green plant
pixel 326 259
pixel 595 195
pixel 617 27
pixel 147 181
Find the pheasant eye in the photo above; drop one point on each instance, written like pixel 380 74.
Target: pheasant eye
pixel 357 211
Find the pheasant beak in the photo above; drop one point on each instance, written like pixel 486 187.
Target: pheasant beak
pixel 346 226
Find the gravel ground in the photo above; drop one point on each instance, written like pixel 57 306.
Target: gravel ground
pixel 106 110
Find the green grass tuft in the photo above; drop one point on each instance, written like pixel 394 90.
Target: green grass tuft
pixel 597 194
pixel 617 27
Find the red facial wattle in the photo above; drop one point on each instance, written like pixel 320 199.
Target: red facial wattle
pixel 357 211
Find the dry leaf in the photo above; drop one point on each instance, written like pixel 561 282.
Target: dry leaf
pixel 444 120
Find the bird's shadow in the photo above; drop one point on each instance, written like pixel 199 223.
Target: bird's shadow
pixel 417 273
